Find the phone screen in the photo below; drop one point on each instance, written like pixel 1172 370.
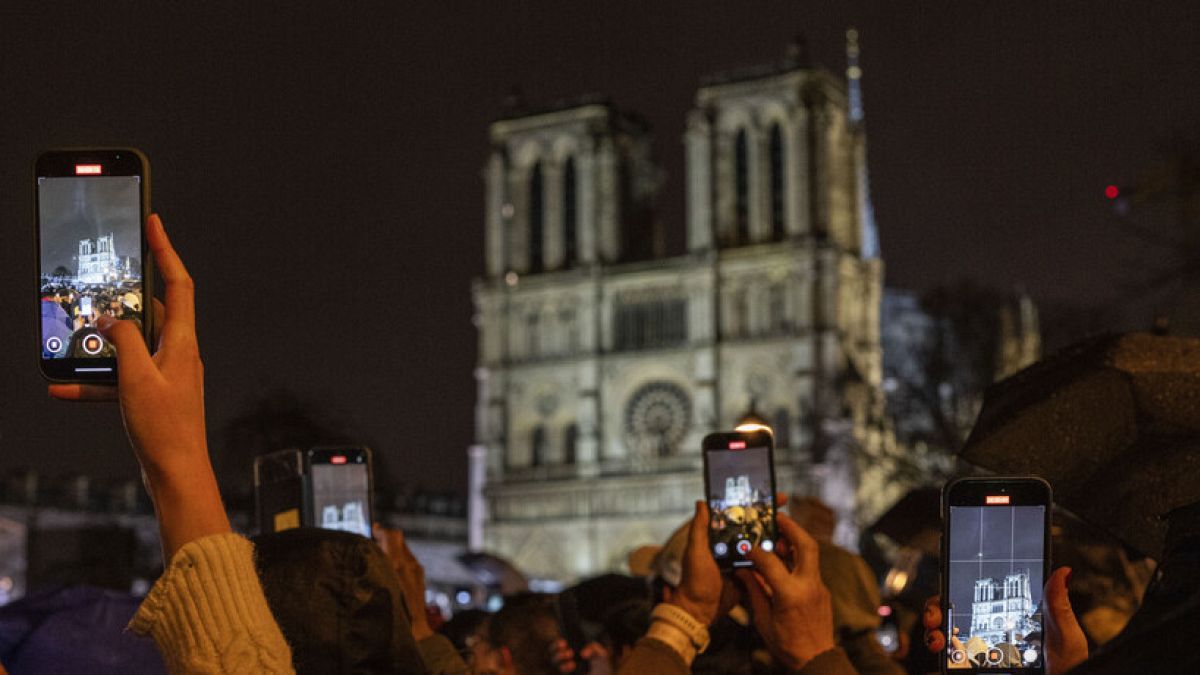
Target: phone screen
pixel 90 257
pixel 996 565
pixel 341 493
pixel 740 481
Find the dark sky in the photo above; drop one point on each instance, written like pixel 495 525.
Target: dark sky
pixel 319 169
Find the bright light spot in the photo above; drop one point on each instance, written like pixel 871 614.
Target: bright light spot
pixel 896 581
pixel 1030 655
pixel 511 278
pixel 885 610
pixel 768 545
pixel 854 72
pixel 462 597
pixel 1112 192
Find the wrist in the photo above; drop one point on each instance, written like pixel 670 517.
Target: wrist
pixel 796 659
pixel 701 612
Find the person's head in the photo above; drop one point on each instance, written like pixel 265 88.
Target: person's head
pixel 468 632
pixel 337 600
pixel 624 625
pixel 525 630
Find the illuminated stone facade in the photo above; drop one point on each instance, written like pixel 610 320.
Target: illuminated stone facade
pixel 602 364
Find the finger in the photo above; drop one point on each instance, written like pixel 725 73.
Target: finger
pixel 83 392
pixel 698 533
pixel 760 603
pixel 133 359
pixel 935 640
pixel 179 291
pixel 1060 618
pixel 806 554
pixel 932 617
pixel 770 567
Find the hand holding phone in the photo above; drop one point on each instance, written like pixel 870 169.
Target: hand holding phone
pixel 792 607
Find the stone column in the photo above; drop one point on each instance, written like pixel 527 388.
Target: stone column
pixel 799 212
pixel 758 157
pixel 587 444
pixel 608 226
pixel 494 214
pixel 553 252
pixel 698 147
pixel 585 207
pixel 518 224
pixel 476 504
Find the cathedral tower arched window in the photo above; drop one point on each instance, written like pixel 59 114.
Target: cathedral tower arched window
pixel 777 183
pixel 537 218
pixel 570 440
pixel 741 173
pixel 782 427
pixel 537 456
pixel 569 214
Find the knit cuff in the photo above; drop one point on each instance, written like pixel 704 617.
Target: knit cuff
pixel 208 610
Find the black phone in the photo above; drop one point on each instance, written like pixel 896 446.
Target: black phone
pixel 739 484
pixel 90 206
pixel 340 487
pixel 995 560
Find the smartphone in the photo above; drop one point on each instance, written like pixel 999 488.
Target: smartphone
pixel 90 206
pixel 739 484
pixel 340 486
pixel 995 560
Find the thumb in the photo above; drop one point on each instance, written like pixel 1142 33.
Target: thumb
pixel 133 359
pixel 1066 645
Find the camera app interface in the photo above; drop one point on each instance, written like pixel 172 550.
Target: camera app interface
pixel 995 586
pixel 741 503
pixel 90 261
pixel 340 497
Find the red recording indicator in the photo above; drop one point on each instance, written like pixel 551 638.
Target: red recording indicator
pixel 88 169
pixel 337 459
pixel 996 499
pixel 737 445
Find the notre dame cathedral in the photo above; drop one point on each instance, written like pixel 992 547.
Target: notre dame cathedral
pixel 602 364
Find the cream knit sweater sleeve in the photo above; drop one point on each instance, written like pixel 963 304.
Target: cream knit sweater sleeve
pixel 208 614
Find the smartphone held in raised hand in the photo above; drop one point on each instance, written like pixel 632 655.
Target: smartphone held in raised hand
pixel 739 485
pixel 93 260
pixel 995 560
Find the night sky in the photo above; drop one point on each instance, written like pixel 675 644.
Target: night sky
pixel 319 170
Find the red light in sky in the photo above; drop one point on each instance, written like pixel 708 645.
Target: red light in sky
pixel 87 169
pixel 1112 192
pixel 737 445
pixel 997 499
pixel 337 459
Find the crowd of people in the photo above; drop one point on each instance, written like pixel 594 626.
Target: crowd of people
pixel 319 601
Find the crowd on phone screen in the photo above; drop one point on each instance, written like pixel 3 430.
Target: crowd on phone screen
pixel 70 312
pixel 318 601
